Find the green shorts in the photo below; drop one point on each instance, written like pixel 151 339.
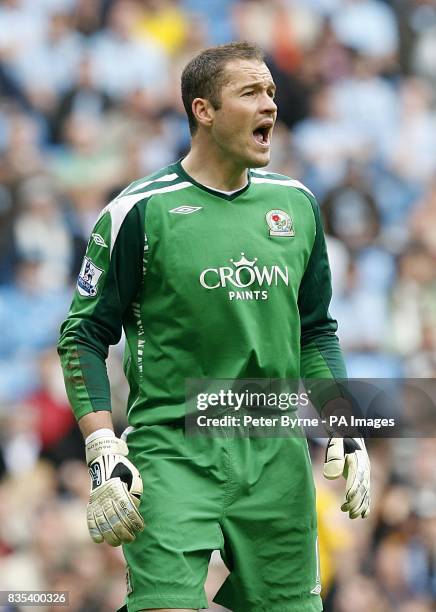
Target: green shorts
pixel 251 498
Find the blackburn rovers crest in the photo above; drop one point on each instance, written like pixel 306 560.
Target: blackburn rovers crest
pixel 279 223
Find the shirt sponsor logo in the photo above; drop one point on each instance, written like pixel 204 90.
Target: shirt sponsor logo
pixel 279 223
pixel 185 210
pixel 242 276
pixel 89 276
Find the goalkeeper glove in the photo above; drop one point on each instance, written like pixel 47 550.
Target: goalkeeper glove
pixel 348 457
pixel 116 489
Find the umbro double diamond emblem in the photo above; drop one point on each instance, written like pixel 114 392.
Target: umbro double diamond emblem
pixel 185 210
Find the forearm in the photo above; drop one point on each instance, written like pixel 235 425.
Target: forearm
pixel 95 420
pixel 323 370
pixel 322 357
pixel 84 369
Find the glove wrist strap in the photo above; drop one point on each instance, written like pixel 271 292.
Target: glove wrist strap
pixel 105 445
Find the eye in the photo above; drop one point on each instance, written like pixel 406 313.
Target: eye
pixel 248 93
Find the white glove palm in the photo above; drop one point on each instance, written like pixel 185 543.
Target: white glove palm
pixel 116 489
pixel 348 457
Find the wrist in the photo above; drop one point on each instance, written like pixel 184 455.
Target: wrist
pixel 93 421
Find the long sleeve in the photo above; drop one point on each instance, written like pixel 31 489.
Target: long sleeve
pixel 321 356
pixel 108 281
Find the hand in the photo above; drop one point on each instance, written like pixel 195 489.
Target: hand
pixel 348 457
pixel 116 490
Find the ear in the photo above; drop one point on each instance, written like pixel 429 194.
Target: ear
pixel 203 111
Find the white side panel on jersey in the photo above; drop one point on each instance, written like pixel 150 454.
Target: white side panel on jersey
pixel 122 205
pixel 284 182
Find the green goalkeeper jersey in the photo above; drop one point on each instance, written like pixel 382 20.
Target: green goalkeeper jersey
pixel 205 285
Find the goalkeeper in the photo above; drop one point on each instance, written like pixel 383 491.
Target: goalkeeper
pixel 214 269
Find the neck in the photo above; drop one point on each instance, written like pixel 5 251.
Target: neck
pixel 209 167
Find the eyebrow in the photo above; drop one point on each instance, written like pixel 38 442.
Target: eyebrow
pixel 257 84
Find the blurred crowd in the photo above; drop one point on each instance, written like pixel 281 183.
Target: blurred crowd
pixel 89 101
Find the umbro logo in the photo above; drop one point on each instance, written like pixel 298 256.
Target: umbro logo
pixel 185 210
pixel 98 239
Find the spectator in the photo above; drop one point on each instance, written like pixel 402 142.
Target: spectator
pixel 40 232
pixel 46 72
pixel 164 22
pixel 85 170
pixel 410 153
pixel 120 63
pixel 82 98
pixel 366 101
pixel 327 143
pixel 368 26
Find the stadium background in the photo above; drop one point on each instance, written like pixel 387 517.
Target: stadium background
pixel 89 101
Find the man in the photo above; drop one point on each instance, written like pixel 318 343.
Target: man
pixel 214 271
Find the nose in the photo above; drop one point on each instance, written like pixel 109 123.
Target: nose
pixel 268 104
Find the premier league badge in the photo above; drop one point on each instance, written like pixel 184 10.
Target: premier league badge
pixel 89 276
pixel 279 223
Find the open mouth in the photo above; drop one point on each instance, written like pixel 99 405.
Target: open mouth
pixel 262 135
